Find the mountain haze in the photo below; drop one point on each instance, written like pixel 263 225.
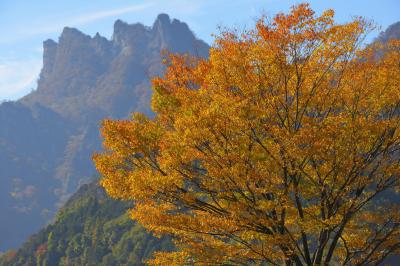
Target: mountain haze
pixel 47 138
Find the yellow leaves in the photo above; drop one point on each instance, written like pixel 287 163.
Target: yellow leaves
pixel 283 136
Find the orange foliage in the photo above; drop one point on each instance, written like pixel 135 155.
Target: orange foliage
pixel 281 148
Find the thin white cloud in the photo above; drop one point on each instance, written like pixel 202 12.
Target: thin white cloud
pixel 17 78
pixel 89 18
pixel 51 25
pixel 110 13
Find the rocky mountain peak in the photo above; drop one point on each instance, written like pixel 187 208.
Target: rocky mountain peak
pixel 49 44
pixel 73 40
pixel 49 56
pixel 125 34
pixel 71 34
pixel 77 68
pixel 172 33
pixel 162 20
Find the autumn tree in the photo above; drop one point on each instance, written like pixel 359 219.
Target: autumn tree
pixel 281 149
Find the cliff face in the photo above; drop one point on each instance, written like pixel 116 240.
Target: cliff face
pixel 47 138
pixel 83 75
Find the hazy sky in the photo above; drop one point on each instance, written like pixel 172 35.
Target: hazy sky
pixel 25 24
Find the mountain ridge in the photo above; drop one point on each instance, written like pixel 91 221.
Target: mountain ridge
pixel 132 47
pixel 47 137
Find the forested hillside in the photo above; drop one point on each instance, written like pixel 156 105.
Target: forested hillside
pixel 91 229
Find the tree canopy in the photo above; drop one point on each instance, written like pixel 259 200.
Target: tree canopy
pixel 281 148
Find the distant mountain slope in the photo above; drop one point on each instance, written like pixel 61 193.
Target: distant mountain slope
pixel 31 140
pixel 392 32
pixel 48 137
pixel 91 229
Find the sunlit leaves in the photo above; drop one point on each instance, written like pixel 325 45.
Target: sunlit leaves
pixel 280 148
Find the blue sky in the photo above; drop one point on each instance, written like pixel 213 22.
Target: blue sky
pixel 26 24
